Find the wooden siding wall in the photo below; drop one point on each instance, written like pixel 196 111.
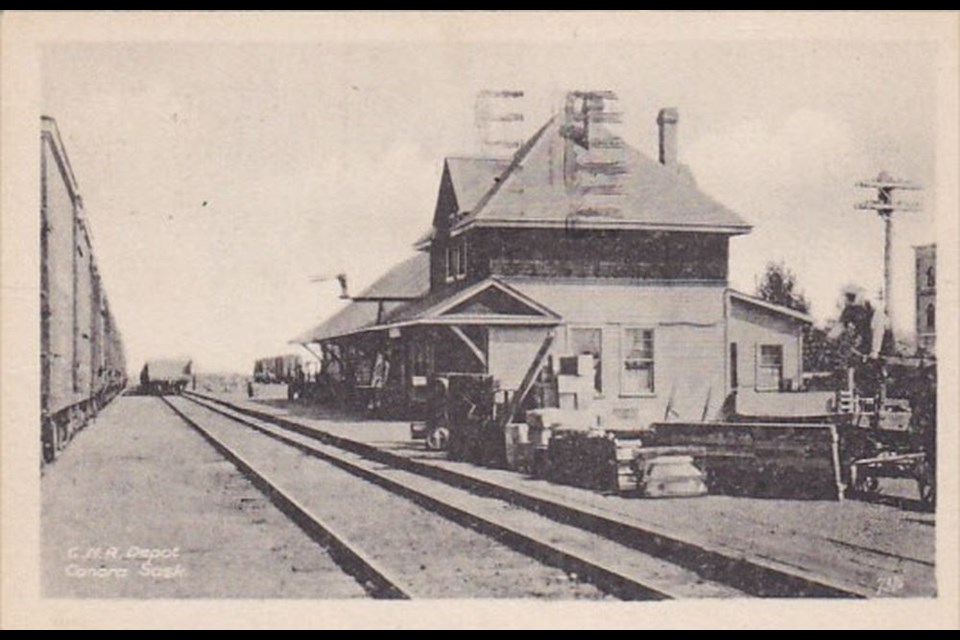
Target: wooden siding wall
pixel 96 331
pixel 511 351
pixel 61 262
pixel 597 254
pixel 84 314
pixel 751 326
pixel 689 347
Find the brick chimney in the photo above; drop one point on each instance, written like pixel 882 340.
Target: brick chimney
pixel 667 121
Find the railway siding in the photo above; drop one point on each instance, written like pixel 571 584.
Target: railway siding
pixel 624 570
pixel 423 554
pixel 767 548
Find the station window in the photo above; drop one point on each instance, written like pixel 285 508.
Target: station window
pixel 451 255
pixel 637 375
pixel 462 261
pixel 590 342
pixel 931 277
pixel 769 367
pixel 931 317
pixel 456 262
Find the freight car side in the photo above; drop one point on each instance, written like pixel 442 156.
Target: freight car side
pixel 161 377
pixel 59 386
pixel 262 370
pixel 114 358
pixel 79 342
pixel 96 336
pixel 292 365
pixel 277 369
pixel 84 293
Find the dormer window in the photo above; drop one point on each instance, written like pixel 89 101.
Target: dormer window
pixel 456 261
pixel 462 261
pixel 452 255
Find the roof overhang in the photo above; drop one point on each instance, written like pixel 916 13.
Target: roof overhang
pixel 440 313
pixel 476 320
pixel 600 223
pixel 424 241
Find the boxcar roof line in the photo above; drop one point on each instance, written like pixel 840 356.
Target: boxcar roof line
pixel 49 128
pixel 161 369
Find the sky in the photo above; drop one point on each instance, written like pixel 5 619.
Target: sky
pixel 219 179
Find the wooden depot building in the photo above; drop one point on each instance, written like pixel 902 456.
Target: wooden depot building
pixel 616 255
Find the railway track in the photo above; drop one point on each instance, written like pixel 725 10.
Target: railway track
pixel 403 535
pixel 750 574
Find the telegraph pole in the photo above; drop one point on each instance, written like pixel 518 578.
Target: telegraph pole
pixel 886 207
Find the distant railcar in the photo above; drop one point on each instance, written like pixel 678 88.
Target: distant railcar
pixel 82 362
pixel 278 369
pixel 163 377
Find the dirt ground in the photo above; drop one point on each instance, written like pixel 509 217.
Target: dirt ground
pixel 139 505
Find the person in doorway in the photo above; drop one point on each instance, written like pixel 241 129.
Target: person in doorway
pixel 378 380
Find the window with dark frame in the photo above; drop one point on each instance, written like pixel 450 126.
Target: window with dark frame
pixel 451 263
pixel 456 262
pixel 637 377
pixel 462 261
pixel 931 317
pixel 770 367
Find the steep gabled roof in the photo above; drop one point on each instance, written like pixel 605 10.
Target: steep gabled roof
pixel 464 181
pixel 472 178
pixel 489 301
pixel 532 191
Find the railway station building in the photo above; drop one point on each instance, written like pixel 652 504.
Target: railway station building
pixel 613 261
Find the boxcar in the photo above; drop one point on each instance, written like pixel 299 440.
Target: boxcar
pixel 278 369
pixel 162 377
pixel 82 361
